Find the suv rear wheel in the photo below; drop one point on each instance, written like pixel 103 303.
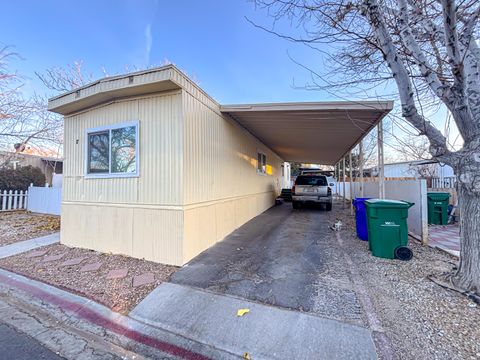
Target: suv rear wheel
pixel 328 206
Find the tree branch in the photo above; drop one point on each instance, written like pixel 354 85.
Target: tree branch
pixel 409 110
pixel 441 90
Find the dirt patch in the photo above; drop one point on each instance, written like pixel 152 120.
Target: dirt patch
pixel 100 284
pixel 421 319
pixel 21 225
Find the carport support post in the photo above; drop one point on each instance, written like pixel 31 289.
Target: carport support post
pixel 338 179
pixel 343 175
pixel 360 161
pixel 381 172
pixel 351 184
pixel 335 176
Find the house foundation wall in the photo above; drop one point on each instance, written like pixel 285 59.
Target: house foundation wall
pixel 147 233
pixel 205 225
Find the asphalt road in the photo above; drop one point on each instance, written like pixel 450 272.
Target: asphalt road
pixel 18 346
pixel 283 257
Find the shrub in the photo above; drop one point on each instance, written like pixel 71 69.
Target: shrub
pixel 21 178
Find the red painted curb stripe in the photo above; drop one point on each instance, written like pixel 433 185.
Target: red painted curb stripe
pixel 100 320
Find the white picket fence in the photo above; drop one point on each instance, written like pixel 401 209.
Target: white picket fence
pixel 13 200
pixel 44 200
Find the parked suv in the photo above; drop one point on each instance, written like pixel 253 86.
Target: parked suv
pixel 312 189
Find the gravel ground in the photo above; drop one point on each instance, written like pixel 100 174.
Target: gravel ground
pixel 117 294
pixel 421 319
pixel 20 225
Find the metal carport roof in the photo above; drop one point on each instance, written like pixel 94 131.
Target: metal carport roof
pixel 313 132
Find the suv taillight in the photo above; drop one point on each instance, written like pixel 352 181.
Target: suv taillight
pixel 329 191
pixel 293 190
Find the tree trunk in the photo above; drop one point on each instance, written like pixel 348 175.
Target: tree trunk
pixel 468 275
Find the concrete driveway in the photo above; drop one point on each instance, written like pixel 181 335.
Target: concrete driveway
pixel 287 258
pixel 284 257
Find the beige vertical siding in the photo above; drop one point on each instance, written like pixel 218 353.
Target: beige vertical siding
pixel 160 158
pixel 221 157
pixel 222 189
pixel 137 216
pixel 161 161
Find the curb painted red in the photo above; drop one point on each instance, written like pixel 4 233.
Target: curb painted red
pixel 100 320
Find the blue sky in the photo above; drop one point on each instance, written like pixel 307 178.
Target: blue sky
pixel 209 40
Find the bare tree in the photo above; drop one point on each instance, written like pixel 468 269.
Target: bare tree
pixel 64 79
pixel 415 148
pixel 429 51
pixel 72 76
pixel 25 123
pixel 9 84
pixel 369 150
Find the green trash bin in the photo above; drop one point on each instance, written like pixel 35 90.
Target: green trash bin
pixel 387 226
pixel 438 208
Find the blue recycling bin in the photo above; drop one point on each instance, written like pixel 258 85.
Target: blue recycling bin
pixel 361 218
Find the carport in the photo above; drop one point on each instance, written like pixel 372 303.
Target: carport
pixel 320 133
pixel 278 256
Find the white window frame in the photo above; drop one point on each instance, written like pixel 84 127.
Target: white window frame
pixel 263 170
pixel 110 128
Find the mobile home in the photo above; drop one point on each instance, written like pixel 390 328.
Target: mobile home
pixel 155 168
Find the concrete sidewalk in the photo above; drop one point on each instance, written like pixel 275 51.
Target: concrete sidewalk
pixel 27 245
pixel 76 313
pixel 265 332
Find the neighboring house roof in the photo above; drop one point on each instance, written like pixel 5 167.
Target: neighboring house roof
pixel 308 132
pixel 411 162
pixel 51 159
pixel 42 157
pixel 414 162
pixel 25 155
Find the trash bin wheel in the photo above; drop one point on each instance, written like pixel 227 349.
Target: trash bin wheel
pixel 403 253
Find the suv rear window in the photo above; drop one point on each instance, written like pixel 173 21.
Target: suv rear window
pixel 311 180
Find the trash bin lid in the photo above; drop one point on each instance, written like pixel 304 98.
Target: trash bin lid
pixel 362 199
pixel 386 203
pixel 359 200
pixel 438 196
